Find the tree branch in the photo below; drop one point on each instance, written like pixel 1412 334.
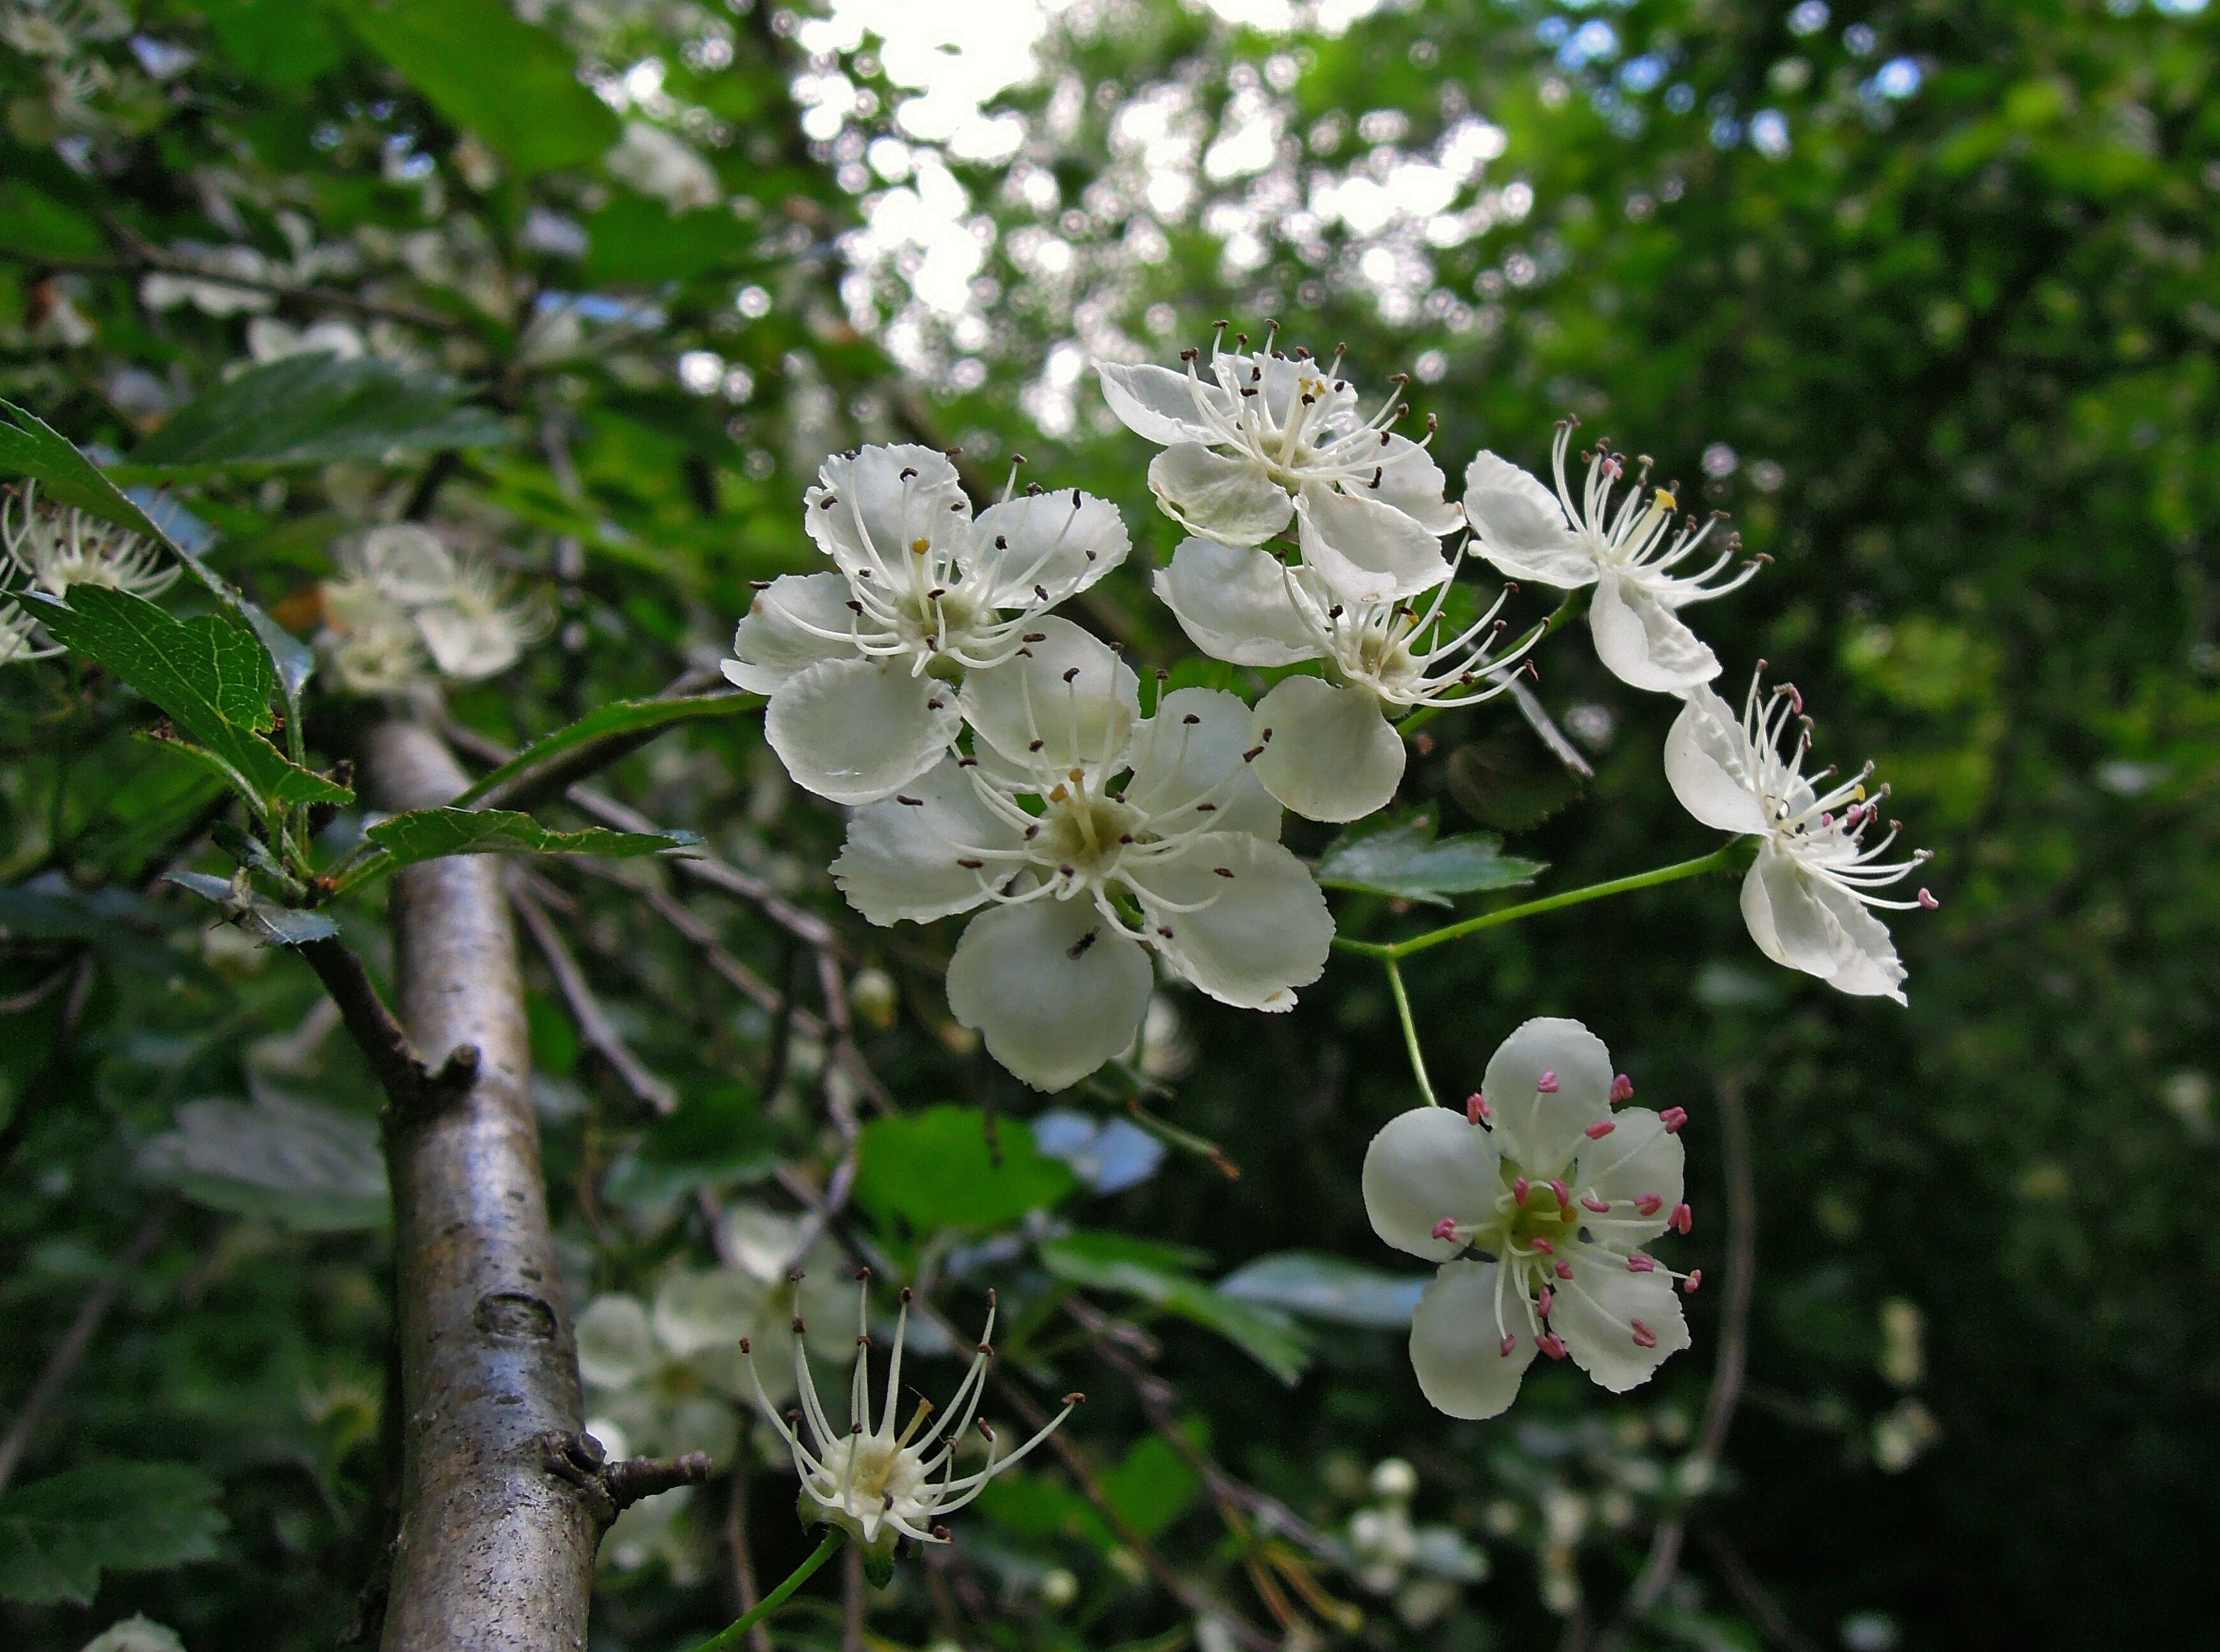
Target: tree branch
pixel 656 1094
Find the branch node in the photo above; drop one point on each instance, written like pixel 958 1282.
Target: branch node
pixel 610 1488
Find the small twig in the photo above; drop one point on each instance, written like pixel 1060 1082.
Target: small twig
pixel 30 1106
pixel 32 997
pixel 736 1540
pixel 600 1034
pixel 1751 1595
pixel 610 1489
pixel 411 1087
pixel 62 1364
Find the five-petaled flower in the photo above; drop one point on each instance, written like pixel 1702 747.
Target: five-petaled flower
pixel 404 597
pixel 872 1482
pixel 1630 556
pixel 1180 857
pixel 1559 1194
pixel 1806 896
pixel 1330 752
pixel 860 663
pixel 1268 438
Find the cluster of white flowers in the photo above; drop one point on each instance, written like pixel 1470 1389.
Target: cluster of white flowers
pixel 1096 835
pixel 49 550
pixel 60 28
pixel 406 606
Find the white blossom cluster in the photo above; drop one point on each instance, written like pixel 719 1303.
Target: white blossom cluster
pixel 406 607
pixel 50 550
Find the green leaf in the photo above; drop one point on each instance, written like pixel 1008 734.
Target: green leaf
pixel 1150 1488
pixel 41 227
pixel 211 676
pixel 311 1168
pixel 1408 862
pixel 277 42
pixel 1510 781
pixel 264 918
pixel 619 717
pixel 1327 1288
pixel 59 1534
pixel 30 446
pixel 933 1171
pixel 1155 1273
pixel 513 85
pixel 432 834
pixel 642 242
pixel 313 410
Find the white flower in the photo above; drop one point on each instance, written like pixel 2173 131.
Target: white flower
pixel 1272 438
pixel 877 1485
pixel 1330 754
pixel 57 28
pixel 655 163
pixel 1180 858
pixel 406 591
pixel 56 549
pixel 1806 897
pixel 269 339
pixel 1628 557
pixel 859 663
pixel 1558 1194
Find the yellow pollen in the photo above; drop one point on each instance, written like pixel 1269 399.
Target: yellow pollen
pixel 1861 794
pixel 1058 794
pixel 919 547
pixel 1666 501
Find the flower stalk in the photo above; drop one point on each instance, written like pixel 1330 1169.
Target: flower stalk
pixel 736 1631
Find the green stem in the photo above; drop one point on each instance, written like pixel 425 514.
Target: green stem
pixel 732 1635
pixel 1726 856
pixel 1410 1028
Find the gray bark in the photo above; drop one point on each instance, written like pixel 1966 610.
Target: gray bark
pixel 494 1552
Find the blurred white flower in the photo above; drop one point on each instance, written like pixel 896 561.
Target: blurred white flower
pixel 1806 897
pixel 1630 557
pixel 59 29
pixel 405 597
pixel 1902 1436
pixel 1330 752
pixel 1272 438
pixel 860 663
pixel 1559 1194
pixel 877 1485
pixel 655 163
pixel 1087 873
pixel 269 339
pixel 55 549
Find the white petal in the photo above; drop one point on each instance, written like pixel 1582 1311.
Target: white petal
pixel 1227 499
pixel 1236 604
pixel 1456 1343
pixel 409 563
pixel 1069 691
pixel 1710 763
pixel 1052 1004
pixel 1521 526
pixel 1638 1159
pixel 1644 643
pixel 1156 403
pixel 1595 1314
pixel 1057 543
pixel 900 859
pixel 1190 752
pixel 853 730
pixel 1541 1130
pixel 616 1347
pixel 708 1307
pixel 1424 1165
pixel 865 514
pixel 1329 753
pixel 770 646
pixel 1414 484
pixel 1789 922
pixel 1865 965
pixel 468 644
pixel 1265 931
pixel 1367 552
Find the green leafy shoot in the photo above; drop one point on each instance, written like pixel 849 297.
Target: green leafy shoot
pixel 1158 1275
pixel 309 1168
pixel 1408 862
pixel 314 410
pixel 57 1534
pixel 936 1169
pixel 619 717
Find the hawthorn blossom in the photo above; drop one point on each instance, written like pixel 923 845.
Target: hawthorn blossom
pixel 859 663
pixel 53 549
pixel 1095 836
pixel 1630 556
pixel 1557 1194
pixel 60 29
pixel 1269 438
pixel 406 598
pixel 655 163
pixel 1807 898
pixel 877 1485
pixel 1330 751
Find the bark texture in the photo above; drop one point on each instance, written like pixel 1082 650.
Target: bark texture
pixel 494 1553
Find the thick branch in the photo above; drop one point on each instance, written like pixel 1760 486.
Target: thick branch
pixel 495 1553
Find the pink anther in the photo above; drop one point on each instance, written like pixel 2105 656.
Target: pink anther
pixel 1683 1217
pixel 1446 1228
pixel 1509 1342
pixel 1928 901
pixel 1543 1247
pixel 1544 1302
pixel 1640 1264
pixel 1564 1269
pixel 1564 1195
pixel 1476 1108
pixel 1650 1204
pixel 1601 1128
pixel 1688 1285
pixel 1673 1119
pixel 1643 1336
pixel 1600 1206
pixel 1547 1082
pixel 1518 1189
pixel 1622 1089
pixel 1550 1343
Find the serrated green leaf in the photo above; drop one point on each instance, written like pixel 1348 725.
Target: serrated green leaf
pixel 516 87
pixel 433 834
pixel 57 1534
pixel 1327 1288
pixel 259 916
pixel 311 1168
pixel 212 678
pixel 30 446
pixel 1408 862
pixel 935 1170
pixel 1115 1262
pixel 313 410
pixel 619 717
